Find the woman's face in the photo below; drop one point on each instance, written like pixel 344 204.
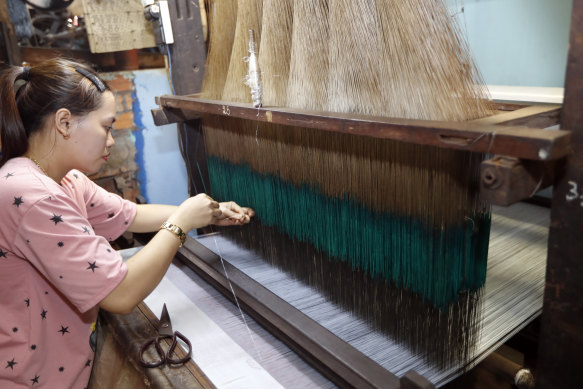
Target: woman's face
pixel 91 136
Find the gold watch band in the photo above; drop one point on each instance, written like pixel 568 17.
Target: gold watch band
pixel 173 228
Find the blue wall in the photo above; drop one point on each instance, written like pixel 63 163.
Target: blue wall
pixel 162 172
pixel 517 42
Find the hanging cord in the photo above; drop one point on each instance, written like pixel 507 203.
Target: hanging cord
pixel 213 231
pixel 237 300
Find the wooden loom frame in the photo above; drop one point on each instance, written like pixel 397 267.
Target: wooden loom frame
pixel 561 336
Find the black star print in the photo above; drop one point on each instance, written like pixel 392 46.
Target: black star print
pixel 60 276
pixel 61 369
pixel 85 229
pixel 92 205
pixel 7 176
pixel 109 250
pixel 75 175
pixel 11 364
pixel 110 215
pixel 35 379
pixel 27 301
pixel 33 347
pixel 60 244
pixel 17 201
pixel 44 314
pixel 126 222
pixel 3 253
pixel 88 363
pixel 63 330
pixel 46 292
pixel 15 329
pixel 56 218
pixel 92 266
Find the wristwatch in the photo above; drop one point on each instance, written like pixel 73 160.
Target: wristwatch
pixel 173 228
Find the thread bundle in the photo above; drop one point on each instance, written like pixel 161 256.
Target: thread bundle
pixel 401 217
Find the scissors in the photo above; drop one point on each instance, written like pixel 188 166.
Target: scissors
pixel 165 332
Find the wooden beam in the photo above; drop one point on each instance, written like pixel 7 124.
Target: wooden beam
pixel 535 144
pixel 186 58
pixel 11 43
pixel 103 61
pixel 540 116
pixel 561 339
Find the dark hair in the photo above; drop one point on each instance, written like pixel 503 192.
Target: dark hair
pixel 29 95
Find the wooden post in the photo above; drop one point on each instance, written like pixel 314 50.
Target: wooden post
pixel 561 339
pixel 187 57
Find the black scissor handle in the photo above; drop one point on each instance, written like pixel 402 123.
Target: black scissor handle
pixel 179 361
pixel 159 350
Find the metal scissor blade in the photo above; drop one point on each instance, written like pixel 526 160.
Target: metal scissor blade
pixel 165 323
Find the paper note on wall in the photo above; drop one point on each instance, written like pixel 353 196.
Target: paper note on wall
pixel 116 25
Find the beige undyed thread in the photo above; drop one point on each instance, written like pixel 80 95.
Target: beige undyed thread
pixel 248 18
pixel 222 19
pixel 274 56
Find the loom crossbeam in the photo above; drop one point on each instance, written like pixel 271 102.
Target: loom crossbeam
pixel 503 139
pixel 533 116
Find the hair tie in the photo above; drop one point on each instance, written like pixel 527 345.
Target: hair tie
pixel 21 79
pixel 25 73
pixel 92 77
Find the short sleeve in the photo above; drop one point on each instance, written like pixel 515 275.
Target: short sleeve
pixel 58 240
pixel 109 214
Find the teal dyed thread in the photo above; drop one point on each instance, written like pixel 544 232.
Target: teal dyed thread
pixel 437 265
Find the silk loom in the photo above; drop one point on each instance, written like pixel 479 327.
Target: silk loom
pixel 524 168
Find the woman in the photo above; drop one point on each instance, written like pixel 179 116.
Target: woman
pixel 56 265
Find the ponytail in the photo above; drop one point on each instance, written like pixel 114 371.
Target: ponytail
pixel 13 137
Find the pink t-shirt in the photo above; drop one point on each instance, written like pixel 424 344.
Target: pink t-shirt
pixel 56 265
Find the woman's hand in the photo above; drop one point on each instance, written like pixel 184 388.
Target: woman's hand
pixel 196 212
pixel 233 214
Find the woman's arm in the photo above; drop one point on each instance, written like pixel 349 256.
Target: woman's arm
pixel 149 217
pixel 147 267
